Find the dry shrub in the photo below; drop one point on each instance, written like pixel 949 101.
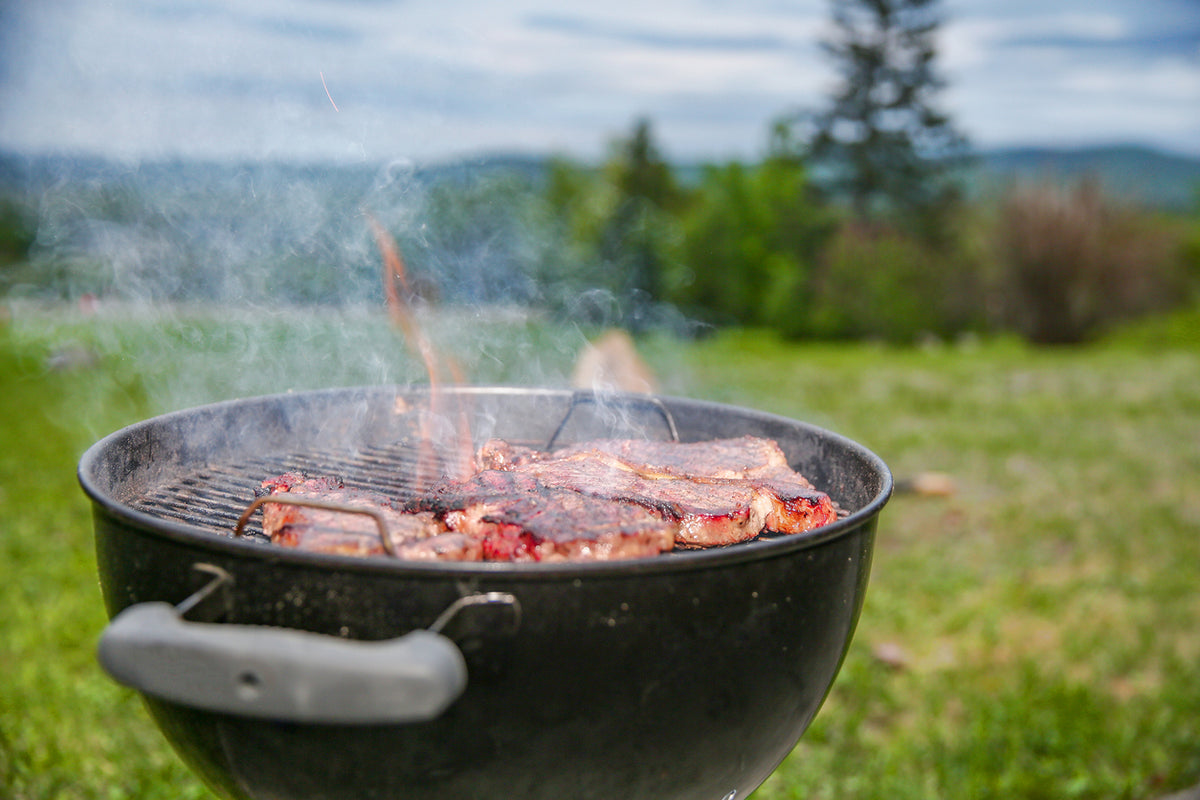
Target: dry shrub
pixel 1073 260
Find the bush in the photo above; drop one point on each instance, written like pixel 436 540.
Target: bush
pixel 751 237
pixel 878 283
pixel 18 232
pixel 1072 262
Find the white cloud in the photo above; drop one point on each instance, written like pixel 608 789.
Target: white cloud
pixel 971 42
pixel 1167 80
pixel 418 80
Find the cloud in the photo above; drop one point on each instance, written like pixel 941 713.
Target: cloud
pixel 256 19
pixel 668 37
pixel 243 78
pixel 1075 73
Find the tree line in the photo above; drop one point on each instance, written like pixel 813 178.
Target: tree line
pixel 763 244
pixel 857 222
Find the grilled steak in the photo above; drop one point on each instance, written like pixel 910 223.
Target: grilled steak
pixel 492 516
pixel 519 518
pixel 717 458
pixel 718 492
pixel 413 536
pixel 600 500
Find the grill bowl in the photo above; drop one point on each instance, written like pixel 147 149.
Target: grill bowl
pixel 691 674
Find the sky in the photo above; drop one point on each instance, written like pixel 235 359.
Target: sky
pixel 378 81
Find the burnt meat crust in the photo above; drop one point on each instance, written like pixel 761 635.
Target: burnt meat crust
pixel 719 492
pixel 599 500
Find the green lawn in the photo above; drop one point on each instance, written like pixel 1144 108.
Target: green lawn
pixel 1035 634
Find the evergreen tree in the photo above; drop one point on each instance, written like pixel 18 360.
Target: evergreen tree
pixel 882 145
pixel 632 240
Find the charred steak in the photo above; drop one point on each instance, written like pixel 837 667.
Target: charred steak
pixel 492 516
pixel 519 518
pixel 600 500
pixel 718 492
pixel 715 458
pixel 413 536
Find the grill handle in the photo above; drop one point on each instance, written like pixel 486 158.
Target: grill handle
pixel 280 673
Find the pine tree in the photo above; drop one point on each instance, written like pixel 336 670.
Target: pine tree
pixel 882 145
pixel 646 190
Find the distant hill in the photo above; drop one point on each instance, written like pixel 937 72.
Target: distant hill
pixel 295 232
pixel 1141 174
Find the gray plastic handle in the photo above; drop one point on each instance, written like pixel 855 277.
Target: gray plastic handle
pixel 281 673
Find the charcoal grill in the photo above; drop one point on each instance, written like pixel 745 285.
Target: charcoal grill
pixel 279 673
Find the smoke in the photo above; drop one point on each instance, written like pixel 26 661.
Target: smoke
pixel 216 280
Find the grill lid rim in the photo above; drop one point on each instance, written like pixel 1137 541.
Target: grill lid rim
pixel 192 535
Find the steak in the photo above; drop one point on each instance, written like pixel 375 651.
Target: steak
pixel 519 518
pixel 492 516
pixel 717 458
pixel 413 536
pixel 718 492
pixel 605 499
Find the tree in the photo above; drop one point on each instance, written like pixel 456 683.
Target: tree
pixel 882 145
pixel 752 236
pixel 632 240
pixel 616 229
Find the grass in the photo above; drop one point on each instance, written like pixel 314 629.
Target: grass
pixel 1035 634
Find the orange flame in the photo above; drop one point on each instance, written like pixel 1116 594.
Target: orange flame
pixel 397 292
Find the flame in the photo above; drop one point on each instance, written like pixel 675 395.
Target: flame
pixel 398 293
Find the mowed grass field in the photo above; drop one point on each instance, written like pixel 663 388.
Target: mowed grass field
pixel 1033 633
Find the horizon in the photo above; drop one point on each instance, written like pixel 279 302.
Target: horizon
pixel 485 157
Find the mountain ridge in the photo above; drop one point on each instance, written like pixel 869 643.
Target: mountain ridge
pixel 1151 176
pixel 1143 174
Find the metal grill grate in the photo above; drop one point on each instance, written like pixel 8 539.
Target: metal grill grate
pixel 214 497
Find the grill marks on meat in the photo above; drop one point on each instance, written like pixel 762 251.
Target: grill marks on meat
pixel 414 536
pixel 519 518
pixel 717 492
pixel 717 458
pixel 601 500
